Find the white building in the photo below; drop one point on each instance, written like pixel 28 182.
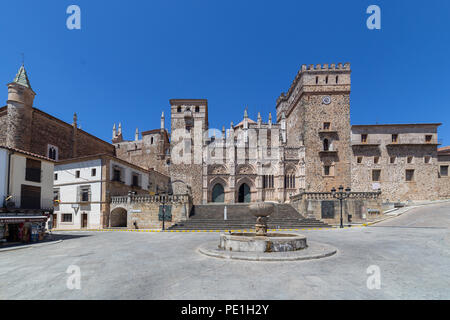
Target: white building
pixel 26 193
pixel 83 186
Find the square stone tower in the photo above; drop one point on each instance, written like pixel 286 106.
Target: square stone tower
pixel 189 121
pixel 317 112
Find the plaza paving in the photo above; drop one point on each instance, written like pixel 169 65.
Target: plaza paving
pixel 412 252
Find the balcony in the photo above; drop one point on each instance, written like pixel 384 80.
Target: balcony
pixel 415 141
pixel 368 142
pixel 27 204
pixel 331 151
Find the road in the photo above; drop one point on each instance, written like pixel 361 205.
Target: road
pixel 412 252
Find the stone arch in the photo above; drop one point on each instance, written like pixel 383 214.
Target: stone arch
pixel 242 193
pixel 290 169
pixel 245 169
pixel 218 193
pixel 118 218
pixel 212 184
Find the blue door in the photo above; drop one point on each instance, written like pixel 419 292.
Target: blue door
pixel 218 194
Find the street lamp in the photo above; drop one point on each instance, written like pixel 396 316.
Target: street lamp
pixel 341 195
pixel 164 200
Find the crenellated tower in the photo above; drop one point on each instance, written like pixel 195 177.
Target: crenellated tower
pixel 317 111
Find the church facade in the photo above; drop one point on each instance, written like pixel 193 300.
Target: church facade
pixel 309 146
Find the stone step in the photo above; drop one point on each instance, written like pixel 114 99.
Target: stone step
pixel 210 217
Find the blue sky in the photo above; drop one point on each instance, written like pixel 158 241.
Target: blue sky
pixel 131 57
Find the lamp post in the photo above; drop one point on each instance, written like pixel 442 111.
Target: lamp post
pixel 341 195
pixel 164 199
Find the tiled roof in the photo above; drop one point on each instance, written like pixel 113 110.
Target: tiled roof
pixel 444 150
pixel 241 124
pixel 22 77
pixel 27 153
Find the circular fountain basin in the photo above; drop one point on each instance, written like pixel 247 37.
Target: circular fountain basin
pixel 272 242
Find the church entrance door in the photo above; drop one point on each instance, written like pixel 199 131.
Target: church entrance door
pixel 218 194
pixel 244 195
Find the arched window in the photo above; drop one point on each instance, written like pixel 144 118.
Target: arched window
pixel 52 152
pixel 179 109
pixel 326 145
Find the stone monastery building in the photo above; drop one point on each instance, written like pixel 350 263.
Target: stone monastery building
pixel 309 145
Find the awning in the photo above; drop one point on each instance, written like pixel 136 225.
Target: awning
pixel 21 219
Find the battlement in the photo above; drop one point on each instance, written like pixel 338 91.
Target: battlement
pixel 318 69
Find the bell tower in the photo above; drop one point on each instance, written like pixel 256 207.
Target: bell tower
pixel 189 121
pixel 20 111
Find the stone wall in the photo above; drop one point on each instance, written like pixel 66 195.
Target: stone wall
pixel 149 152
pixel 143 211
pixel 444 181
pixel 364 207
pixel 3 124
pixel 411 147
pixel 46 129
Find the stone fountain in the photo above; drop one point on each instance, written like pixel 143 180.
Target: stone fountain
pixel 261 241
pixel 264 246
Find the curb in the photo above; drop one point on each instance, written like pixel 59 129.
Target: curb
pixel 37 245
pixel 199 231
pixel 327 251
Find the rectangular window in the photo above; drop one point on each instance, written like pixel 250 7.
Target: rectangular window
pixel 33 170
pixel 428 138
pixel 56 194
pixel 85 194
pixel 444 171
pixel 66 217
pixel 326 170
pixel 394 138
pixel 93 172
pixel 392 160
pixel 326 126
pixel 116 175
pixel 409 160
pixel 77 174
pixel 376 174
pixel 56 176
pixel 364 138
pixel 409 175
pixel 376 160
pixel 30 197
pixel 135 182
pixel 359 159
pixel 289 181
pixel 427 159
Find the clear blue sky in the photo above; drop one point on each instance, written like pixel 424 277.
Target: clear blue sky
pixel 131 57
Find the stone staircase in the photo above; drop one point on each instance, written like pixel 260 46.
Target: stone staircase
pixel 210 217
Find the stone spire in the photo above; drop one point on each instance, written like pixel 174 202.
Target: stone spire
pixel 136 135
pixel 162 121
pixel 245 113
pixel 259 119
pixel 22 78
pixel 270 119
pixel 114 131
pixel 75 118
pixel 120 129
